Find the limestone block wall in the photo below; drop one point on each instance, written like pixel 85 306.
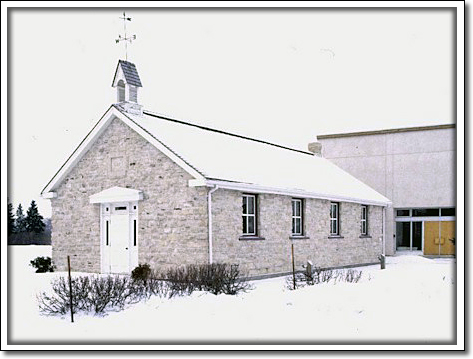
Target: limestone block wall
pixel 271 253
pixel 172 216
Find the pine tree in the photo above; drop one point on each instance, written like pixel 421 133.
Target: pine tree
pixel 11 219
pixel 20 224
pixel 34 221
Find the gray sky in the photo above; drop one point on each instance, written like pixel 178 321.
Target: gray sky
pixel 283 76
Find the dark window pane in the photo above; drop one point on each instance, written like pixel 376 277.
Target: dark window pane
pixel 403 234
pixel 244 204
pixel 448 211
pixel 298 226
pixel 245 229
pixel 293 225
pixel 333 228
pixel 106 233
pixel 402 213
pixel 134 232
pixel 425 212
pixel 251 205
pixel 251 225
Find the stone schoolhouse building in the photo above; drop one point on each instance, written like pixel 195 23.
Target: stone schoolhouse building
pixel 145 188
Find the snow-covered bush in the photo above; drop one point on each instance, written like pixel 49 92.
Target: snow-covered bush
pixel 42 264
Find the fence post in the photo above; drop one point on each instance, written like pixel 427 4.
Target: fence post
pixel 70 286
pixel 382 260
pixel 293 267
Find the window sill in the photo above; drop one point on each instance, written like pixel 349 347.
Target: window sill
pixel 251 238
pixel 299 237
pixel 365 236
pixel 335 236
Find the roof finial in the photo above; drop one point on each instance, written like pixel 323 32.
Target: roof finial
pixel 125 38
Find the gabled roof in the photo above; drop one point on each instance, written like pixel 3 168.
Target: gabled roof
pixel 236 162
pixel 254 164
pixel 130 73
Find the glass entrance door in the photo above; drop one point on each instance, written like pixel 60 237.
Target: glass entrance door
pixel 409 235
pixel 403 235
pixel 416 236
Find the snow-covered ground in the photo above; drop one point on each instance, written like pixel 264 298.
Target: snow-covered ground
pixel 411 301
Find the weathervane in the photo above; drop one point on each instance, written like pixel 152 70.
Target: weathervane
pixel 125 38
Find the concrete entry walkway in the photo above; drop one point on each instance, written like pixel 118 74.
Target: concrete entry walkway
pixel 407 252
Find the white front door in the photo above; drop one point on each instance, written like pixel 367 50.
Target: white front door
pixel 119 237
pixel 119 243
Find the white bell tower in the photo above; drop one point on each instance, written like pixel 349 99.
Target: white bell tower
pixel 127 81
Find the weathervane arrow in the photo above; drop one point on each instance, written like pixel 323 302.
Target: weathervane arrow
pixel 125 38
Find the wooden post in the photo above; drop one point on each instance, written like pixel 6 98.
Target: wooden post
pixel 70 286
pixel 293 267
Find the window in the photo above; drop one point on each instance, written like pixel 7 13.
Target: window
pixel 297 217
pixel 134 232
pixel 425 212
pixel 334 225
pixel 121 91
pixel 133 94
pixel 448 212
pixel 249 214
pixel 364 220
pixel 402 213
pixel 106 233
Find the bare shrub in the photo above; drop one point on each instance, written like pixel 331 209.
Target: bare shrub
pixel 353 276
pixel 98 294
pixel 89 294
pixel 318 275
pixel 215 278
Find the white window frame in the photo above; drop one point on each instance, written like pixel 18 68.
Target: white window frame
pixel 296 217
pixel 364 220
pixel 335 219
pixel 247 215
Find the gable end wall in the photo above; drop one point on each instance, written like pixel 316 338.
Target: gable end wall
pixel 172 216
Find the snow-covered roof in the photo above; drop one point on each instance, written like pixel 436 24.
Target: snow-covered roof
pixel 116 194
pixel 218 158
pixel 234 160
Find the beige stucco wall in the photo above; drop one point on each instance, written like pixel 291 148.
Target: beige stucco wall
pixel 172 216
pixel 413 169
pixel 273 253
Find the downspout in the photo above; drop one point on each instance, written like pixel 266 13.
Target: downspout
pixel 209 203
pixel 384 231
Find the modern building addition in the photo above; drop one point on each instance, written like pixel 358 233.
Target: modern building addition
pixel 415 168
